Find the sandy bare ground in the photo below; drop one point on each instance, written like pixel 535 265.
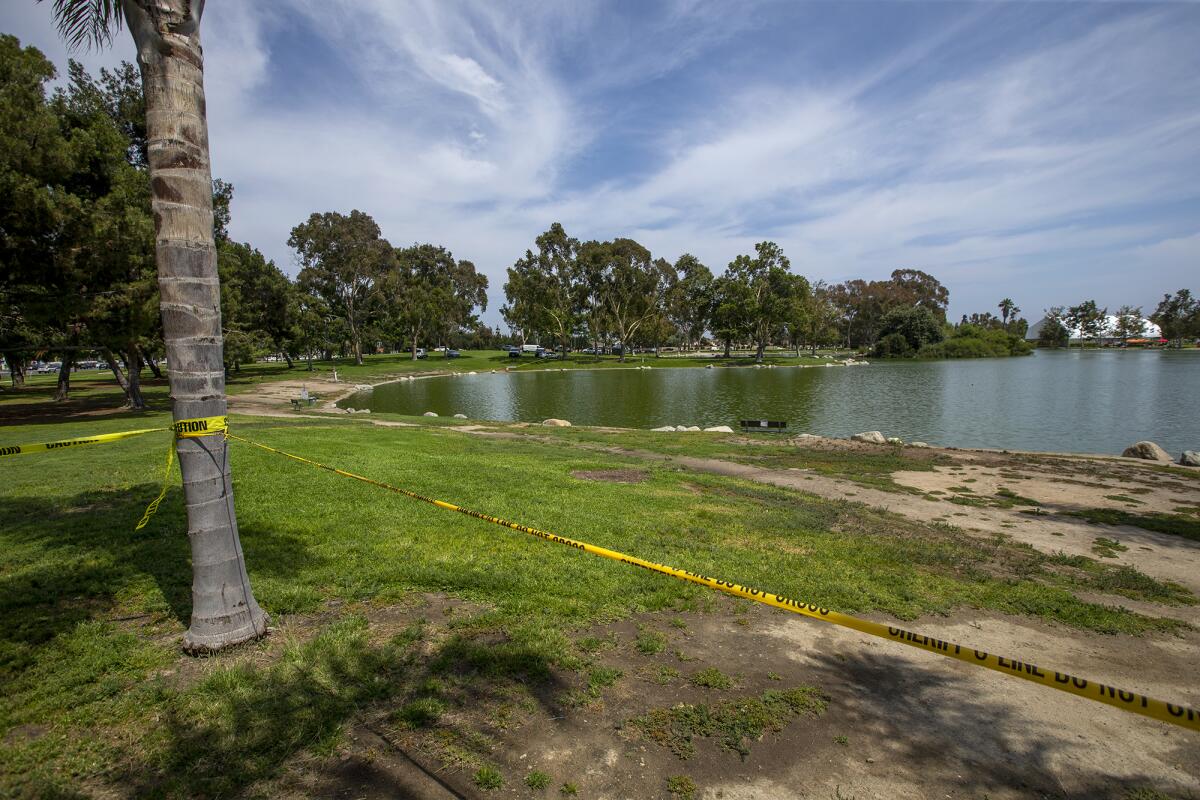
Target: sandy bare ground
pixel 899 723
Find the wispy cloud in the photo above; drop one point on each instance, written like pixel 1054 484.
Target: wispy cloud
pixel 1028 150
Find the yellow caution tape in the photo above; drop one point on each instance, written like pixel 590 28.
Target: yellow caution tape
pixel 184 429
pixel 1081 687
pixel 62 444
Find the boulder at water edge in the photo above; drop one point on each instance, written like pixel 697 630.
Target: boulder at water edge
pixel 895 440
pixel 429 414
pixel 691 429
pixel 1190 458
pixel 870 437
pixel 1146 450
pixel 719 429
pixel 556 423
pixel 919 445
pixel 460 416
pixel 665 429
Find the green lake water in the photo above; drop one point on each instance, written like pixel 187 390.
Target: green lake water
pixel 1093 402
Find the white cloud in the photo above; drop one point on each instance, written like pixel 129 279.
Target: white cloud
pixel 1040 168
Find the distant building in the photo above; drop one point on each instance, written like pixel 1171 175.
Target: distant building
pixel 1150 334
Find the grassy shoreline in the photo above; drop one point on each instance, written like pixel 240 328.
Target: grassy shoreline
pixel 93 611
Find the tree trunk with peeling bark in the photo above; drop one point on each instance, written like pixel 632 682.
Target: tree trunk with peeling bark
pixel 63 390
pixel 167 35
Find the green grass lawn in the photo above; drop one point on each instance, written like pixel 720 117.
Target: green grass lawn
pixel 97 694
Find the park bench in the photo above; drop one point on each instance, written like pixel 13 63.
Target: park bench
pixel 303 402
pixel 767 425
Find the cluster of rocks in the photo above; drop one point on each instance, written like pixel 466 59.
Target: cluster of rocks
pixel 876 437
pixel 556 423
pixel 1149 451
pixel 357 410
pixel 693 429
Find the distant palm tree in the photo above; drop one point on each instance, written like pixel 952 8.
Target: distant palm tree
pixel 167 35
pixel 1008 309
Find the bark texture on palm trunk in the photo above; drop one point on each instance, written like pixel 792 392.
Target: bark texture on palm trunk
pixel 167 34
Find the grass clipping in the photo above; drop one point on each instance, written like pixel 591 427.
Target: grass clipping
pixel 736 723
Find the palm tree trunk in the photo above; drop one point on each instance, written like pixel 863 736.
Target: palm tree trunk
pixel 167 35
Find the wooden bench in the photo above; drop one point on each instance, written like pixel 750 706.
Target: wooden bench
pixel 764 425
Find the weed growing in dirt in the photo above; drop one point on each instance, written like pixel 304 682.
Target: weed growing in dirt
pixel 735 723
pixel 1107 548
pixel 650 642
pixel 537 780
pixel 488 778
pixel 568 789
pixel 664 675
pixel 844 740
pixel 599 678
pixel 681 786
pixel 421 713
pixel 711 678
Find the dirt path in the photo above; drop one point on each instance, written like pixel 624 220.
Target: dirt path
pixel 1159 555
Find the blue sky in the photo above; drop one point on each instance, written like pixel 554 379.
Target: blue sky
pixel 1045 151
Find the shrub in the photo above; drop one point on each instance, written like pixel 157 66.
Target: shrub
pixel 972 341
pixel 916 326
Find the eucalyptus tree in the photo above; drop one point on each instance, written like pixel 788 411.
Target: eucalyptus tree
pixel 542 287
pixel 344 259
pixel 729 315
pixel 166 34
pixel 774 291
pixel 819 324
pixel 690 302
pixel 631 285
pixel 426 292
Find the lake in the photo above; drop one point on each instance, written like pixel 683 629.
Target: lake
pixel 1098 401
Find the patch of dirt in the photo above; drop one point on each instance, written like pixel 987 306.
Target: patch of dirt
pixel 612 475
pixel 899 723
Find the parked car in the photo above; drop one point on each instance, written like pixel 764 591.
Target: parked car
pixel 514 353
pixel 453 354
pixel 421 352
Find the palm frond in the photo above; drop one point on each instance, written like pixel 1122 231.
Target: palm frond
pixel 87 23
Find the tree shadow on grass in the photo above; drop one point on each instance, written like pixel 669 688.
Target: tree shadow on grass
pixel 34 405
pixel 934 725
pixel 78 559
pixel 242 726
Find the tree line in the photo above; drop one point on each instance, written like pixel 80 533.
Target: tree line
pixel 615 293
pixel 1177 317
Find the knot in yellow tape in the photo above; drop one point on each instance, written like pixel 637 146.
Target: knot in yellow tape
pixel 184 429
